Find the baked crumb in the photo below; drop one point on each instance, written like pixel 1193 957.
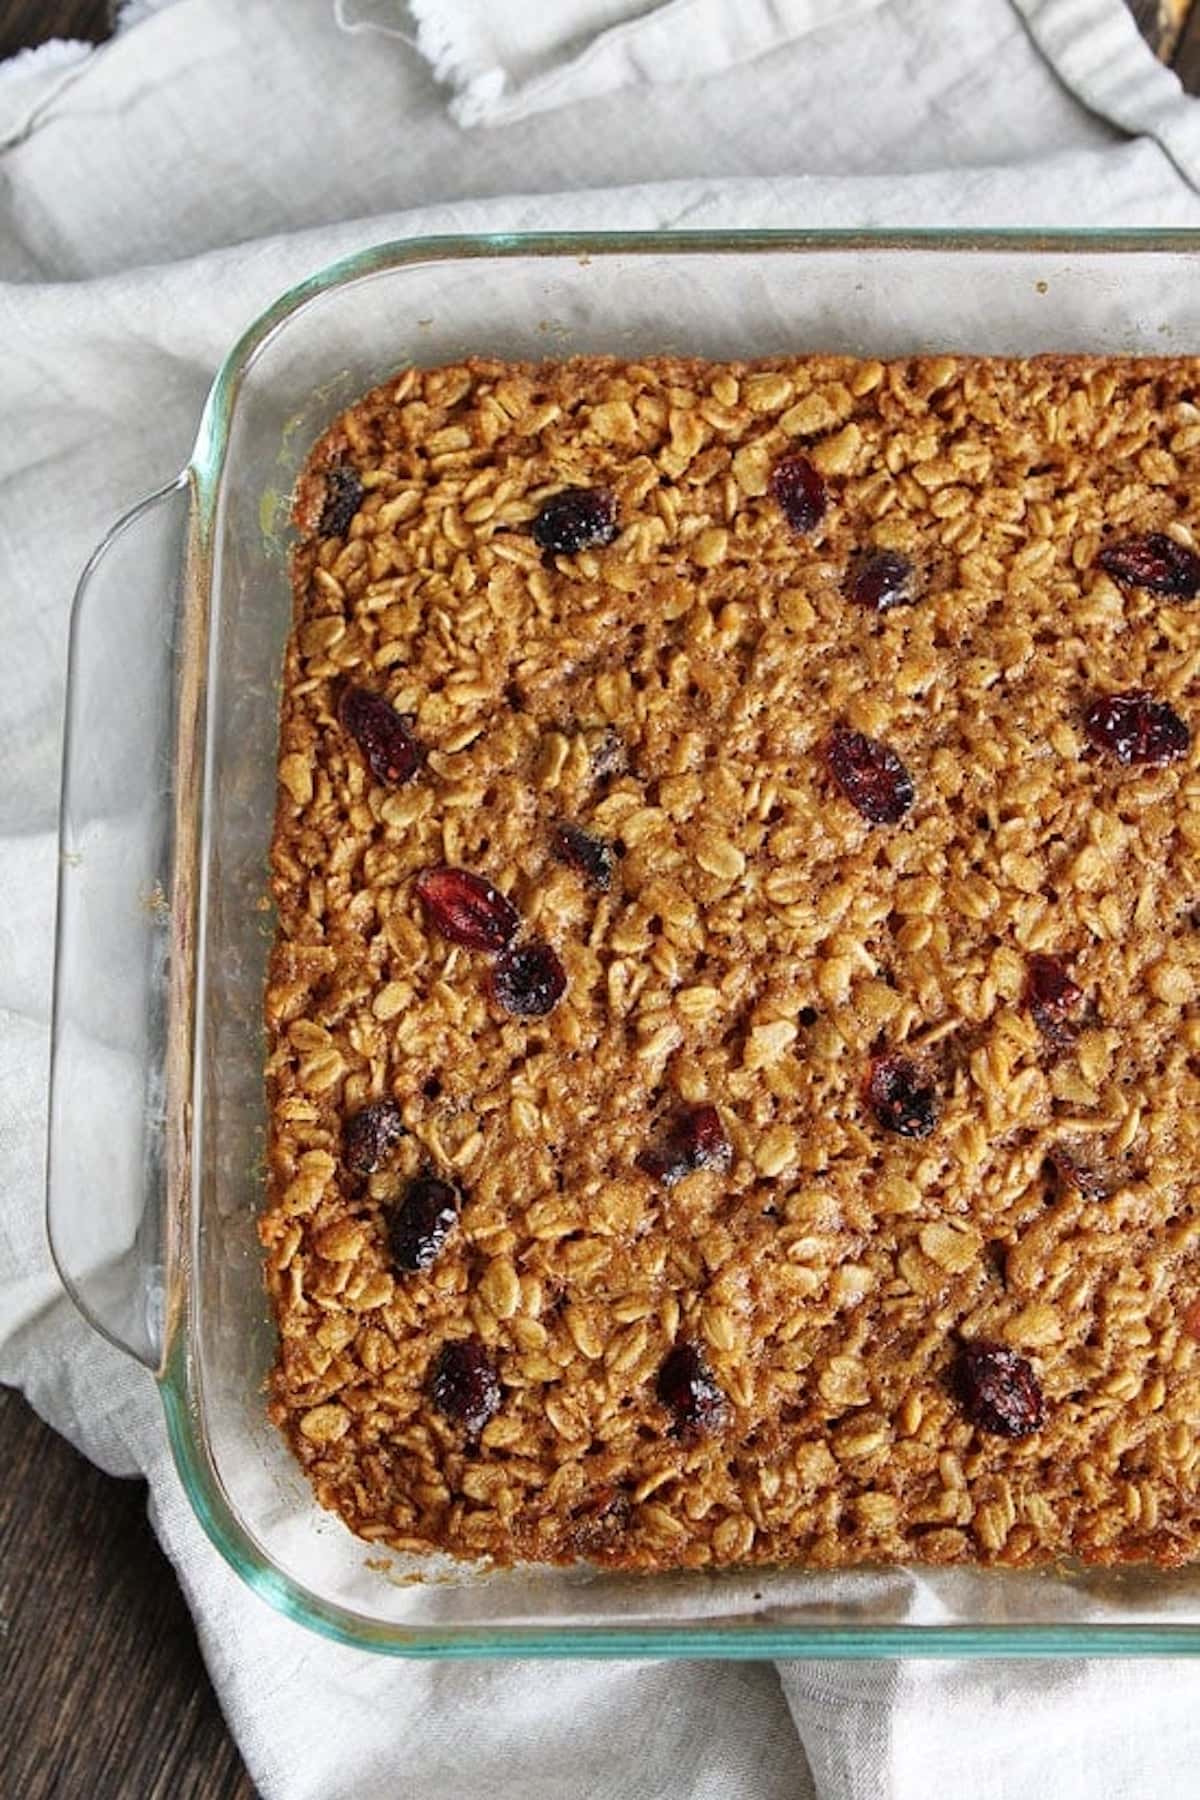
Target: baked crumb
pixel 784 1071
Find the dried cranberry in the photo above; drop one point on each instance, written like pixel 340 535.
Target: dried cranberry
pixel 687 1386
pixel 465 1386
pixel 576 519
pixel 1055 1001
pixel 870 775
pixel 799 493
pixel 590 856
pixel 421 1223
pixel 466 908
pixel 369 1135
pixel 880 579
pixel 392 754
pixel 1154 561
pixel 998 1390
pixel 343 496
pixel 1191 1321
pixel 1135 728
pixel 695 1139
pixel 528 980
pixel 901 1096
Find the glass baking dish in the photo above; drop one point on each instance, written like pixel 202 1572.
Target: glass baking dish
pixel 168 792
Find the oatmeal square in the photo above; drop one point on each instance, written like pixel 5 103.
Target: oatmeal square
pixel 734 1054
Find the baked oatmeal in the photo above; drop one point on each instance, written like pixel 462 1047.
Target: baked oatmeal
pixel 734 1058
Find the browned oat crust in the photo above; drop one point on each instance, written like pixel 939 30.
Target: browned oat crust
pixel 759 944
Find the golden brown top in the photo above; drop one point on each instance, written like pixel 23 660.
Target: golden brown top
pixel 842 1207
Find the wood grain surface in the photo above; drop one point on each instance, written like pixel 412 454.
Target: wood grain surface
pixel 24 23
pixel 1186 58
pixel 104 1693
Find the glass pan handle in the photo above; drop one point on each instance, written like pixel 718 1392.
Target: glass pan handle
pixel 117 1122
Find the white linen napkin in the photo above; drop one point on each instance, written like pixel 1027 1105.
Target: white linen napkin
pixel 142 213
pixel 504 62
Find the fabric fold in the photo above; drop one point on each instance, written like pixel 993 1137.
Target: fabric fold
pixel 1100 57
pixel 506 60
pixel 502 67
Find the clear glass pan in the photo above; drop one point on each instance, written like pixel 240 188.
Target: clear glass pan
pixel 176 642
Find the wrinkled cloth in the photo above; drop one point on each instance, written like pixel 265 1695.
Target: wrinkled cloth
pixel 154 198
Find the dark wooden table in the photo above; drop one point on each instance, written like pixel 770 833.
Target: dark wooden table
pixel 102 1690
pixel 104 1693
